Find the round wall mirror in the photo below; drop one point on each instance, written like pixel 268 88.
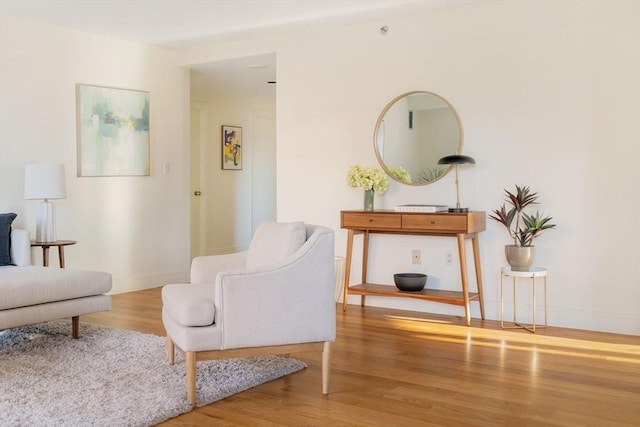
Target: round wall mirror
pixel 412 133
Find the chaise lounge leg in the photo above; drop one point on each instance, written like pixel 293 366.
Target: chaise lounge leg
pixel 75 326
pixel 191 377
pixel 171 353
pixel 326 366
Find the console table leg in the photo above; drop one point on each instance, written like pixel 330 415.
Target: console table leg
pixel 365 259
pixel 347 269
pixel 365 256
pixel 476 261
pixel 463 275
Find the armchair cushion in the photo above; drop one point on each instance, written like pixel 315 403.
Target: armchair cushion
pixel 273 242
pixel 189 305
pixel 5 238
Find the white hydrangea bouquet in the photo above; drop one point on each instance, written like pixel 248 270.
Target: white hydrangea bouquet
pixel 401 174
pixel 370 180
pixel 367 178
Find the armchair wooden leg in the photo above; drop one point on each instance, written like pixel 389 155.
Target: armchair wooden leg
pixel 171 353
pixel 191 377
pixel 326 366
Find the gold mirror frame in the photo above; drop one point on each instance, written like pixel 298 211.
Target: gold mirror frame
pixel 427 171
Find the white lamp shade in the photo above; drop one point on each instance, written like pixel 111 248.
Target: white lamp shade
pixel 44 181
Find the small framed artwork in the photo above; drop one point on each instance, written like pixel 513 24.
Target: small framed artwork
pixel 112 131
pixel 231 147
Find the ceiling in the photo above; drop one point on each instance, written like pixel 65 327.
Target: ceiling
pixel 179 24
pixel 183 24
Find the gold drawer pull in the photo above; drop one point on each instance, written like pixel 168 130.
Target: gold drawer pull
pixel 433 221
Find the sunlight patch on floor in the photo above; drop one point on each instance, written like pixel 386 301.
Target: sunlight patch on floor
pixel 466 335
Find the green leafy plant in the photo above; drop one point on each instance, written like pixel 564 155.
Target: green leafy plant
pixel 430 174
pixel 522 227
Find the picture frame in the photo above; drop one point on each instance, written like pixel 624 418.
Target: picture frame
pixel 232 148
pixel 112 131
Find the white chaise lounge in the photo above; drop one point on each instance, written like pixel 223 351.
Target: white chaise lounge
pixel 31 294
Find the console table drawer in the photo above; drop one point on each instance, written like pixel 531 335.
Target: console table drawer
pixel 366 221
pixel 445 222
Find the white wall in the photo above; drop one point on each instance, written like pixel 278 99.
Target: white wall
pixel 136 228
pixel 549 96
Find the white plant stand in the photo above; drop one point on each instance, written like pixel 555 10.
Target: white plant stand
pixel 533 274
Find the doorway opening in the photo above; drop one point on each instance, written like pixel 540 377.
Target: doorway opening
pixel 227 205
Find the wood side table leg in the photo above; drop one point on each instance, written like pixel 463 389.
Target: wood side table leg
pixel 476 261
pixel 347 269
pixel 365 258
pixel 463 276
pixel 61 256
pixel 45 256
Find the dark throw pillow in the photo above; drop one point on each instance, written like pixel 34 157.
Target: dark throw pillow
pixel 5 237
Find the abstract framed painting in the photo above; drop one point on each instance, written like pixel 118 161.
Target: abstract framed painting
pixel 231 148
pixel 112 131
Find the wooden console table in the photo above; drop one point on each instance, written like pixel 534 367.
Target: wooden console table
pixel 462 226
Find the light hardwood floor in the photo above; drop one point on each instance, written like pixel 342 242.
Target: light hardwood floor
pixel 401 368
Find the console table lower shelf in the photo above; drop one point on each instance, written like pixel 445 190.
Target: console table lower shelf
pixel 436 295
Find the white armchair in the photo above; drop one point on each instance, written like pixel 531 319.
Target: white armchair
pixel 275 298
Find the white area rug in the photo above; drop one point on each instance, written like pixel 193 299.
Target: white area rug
pixel 110 377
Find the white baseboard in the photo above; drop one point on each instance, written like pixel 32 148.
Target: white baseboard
pixel 138 283
pixel 563 317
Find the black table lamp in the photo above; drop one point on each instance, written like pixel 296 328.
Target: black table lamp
pixel 457 159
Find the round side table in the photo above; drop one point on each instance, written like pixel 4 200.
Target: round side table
pixel 60 244
pixel 533 273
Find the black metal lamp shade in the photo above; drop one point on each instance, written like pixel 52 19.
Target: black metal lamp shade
pixel 457 159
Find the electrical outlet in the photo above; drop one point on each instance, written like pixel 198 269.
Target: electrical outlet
pixel 415 257
pixel 448 258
